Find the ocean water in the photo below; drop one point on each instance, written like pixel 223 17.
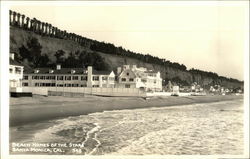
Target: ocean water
pixel 197 129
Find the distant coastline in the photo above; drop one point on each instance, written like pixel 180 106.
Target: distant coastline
pixel 33 109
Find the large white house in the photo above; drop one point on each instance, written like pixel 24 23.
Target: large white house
pixel 126 77
pixel 15 75
pixel 68 77
pixel 134 77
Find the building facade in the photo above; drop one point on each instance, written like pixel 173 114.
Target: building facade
pixel 15 75
pixel 68 77
pixel 126 77
pixel 134 77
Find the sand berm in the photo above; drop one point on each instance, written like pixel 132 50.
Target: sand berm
pixel 32 109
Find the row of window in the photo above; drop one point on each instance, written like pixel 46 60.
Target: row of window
pixel 105 78
pixel 152 75
pixel 60 85
pixel 145 80
pixel 67 78
pixel 54 85
pixel 130 80
pixel 17 70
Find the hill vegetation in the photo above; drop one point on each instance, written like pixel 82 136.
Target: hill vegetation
pixel 34 50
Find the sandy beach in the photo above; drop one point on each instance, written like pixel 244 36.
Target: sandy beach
pixel 31 109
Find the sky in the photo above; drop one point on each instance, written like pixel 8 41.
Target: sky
pixel 204 35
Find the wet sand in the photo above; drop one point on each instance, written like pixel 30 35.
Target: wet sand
pixel 37 108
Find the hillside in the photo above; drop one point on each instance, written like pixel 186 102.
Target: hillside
pixel 50 45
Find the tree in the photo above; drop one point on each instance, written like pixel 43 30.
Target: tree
pixel 35 50
pixel 33 53
pixel 42 60
pixel 24 53
pixel 71 61
pixel 59 56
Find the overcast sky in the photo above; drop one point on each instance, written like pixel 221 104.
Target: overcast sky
pixel 208 36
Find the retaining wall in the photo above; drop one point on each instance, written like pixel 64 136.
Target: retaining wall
pixel 80 91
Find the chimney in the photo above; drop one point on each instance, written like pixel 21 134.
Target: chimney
pixel 12 56
pixel 133 67
pixel 119 70
pixel 58 67
pixel 90 70
pixel 89 74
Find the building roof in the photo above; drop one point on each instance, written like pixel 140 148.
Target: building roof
pixel 13 62
pixel 55 71
pixel 65 71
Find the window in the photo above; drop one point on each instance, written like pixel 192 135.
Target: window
pixel 53 77
pixel 104 78
pixel 127 86
pixel 41 77
pixel 25 84
pixel 127 74
pixel 47 77
pixel 67 78
pixel 95 78
pixel 84 78
pixel 42 84
pixel 11 70
pixel 154 81
pixel 18 70
pixel 95 85
pixel 123 79
pixel 67 85
pixel 51 71
pixel 144 80
pixel 83 85
pixel 36 84
pixel 74 85
pixel 75 77
pixel 131 79
pixel 60 78
pixel 25 77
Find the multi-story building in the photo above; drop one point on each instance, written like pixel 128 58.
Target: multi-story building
pixel 134 77
pixel 127 77
pixel 15 75
pixel 68 77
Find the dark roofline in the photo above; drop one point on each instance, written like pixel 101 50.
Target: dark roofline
pixel 45 70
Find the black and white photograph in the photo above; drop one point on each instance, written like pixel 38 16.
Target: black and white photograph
pixel 163 79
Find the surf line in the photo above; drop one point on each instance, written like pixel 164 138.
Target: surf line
pixel 93 130
pixel 95 138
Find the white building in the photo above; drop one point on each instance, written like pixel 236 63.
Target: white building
pixel 15 75
pixel 134 77
pixel 68 77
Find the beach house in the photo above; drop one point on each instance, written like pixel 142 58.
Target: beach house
pixel 138 77
pixel 15 74
pixel 68 77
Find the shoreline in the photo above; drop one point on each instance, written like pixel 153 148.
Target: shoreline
pixel 38 108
